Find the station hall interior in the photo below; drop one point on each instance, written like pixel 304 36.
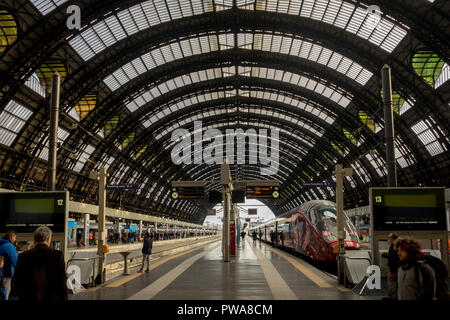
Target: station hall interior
pixel 269 148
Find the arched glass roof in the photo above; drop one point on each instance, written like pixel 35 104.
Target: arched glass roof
pixel 379 31
pixel 140 69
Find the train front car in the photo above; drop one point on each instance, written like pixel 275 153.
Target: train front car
pixel 315 226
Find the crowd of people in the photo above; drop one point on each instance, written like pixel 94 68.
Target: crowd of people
pixel 127 236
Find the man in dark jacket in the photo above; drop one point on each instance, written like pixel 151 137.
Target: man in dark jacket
pixel 8 251
pixel 40 272
pixel 393 264
pixel 416 281
pixel 146 251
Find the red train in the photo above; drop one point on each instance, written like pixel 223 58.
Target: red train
pixel 311 230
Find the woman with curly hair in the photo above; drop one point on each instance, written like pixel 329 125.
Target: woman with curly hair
pixel 416 281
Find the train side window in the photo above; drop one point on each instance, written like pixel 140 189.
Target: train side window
pixel 312 216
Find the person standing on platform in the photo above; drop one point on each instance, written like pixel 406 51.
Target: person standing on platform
pixel 79 238
pixel 393 264
pixel 416 281
pixel 91 237
pixel 254 237
pixel 272 238
pixel 260 235
pixel 146 251
pixel 9 254
pixel 41 272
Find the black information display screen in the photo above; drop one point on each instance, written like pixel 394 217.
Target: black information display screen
pixel 24 212
pixel 421 209
pixel 262 192
pixel 188 193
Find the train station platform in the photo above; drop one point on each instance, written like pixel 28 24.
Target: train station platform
pixel 258 272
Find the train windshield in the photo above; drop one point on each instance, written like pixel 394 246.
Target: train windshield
pixel 325 220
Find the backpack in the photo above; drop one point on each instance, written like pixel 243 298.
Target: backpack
pixel 440 273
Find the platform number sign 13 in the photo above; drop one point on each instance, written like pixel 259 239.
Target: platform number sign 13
pixel 378 199
pixel 60 202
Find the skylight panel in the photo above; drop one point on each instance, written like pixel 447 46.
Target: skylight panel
pixel 319 9
pixel 344 15
pixel 107 36
pixel 92 38
pixel 332 11
pixel 307 8
pixel 139 17
pixel 128 22
pixel 12 120
pixel 47 6
pixel 62 136
pixel 377 162
pixel 175 10
pixel 34 84
pixel 424 129
pixel 82 48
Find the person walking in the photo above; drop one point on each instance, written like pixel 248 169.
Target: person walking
pixel 9 254
pixel 254 237
pixel 146 251
pixel 40 272
pixel 260 235
pixel 393 264
pixel 416 281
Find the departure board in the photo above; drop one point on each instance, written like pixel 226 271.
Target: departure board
pixel 262 192
pixel 405 209
pixel 188 193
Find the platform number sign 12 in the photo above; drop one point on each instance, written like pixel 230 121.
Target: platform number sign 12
pixel 60 202
pixel 378 199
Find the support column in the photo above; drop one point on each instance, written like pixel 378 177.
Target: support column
pixel 389 135
pixel 226 182
pixel 87 216
pixel 53 132
pixel 340 172
pixel 226 225
pixel 340 221
pixel 140 230
pixel 101 220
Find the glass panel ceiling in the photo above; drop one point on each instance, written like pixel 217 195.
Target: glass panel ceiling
pixel 344 15
pixel 127 22
pixel 336 94
pixel 317 132
pixel 265 42
pixel 348 16
pixel 278 97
